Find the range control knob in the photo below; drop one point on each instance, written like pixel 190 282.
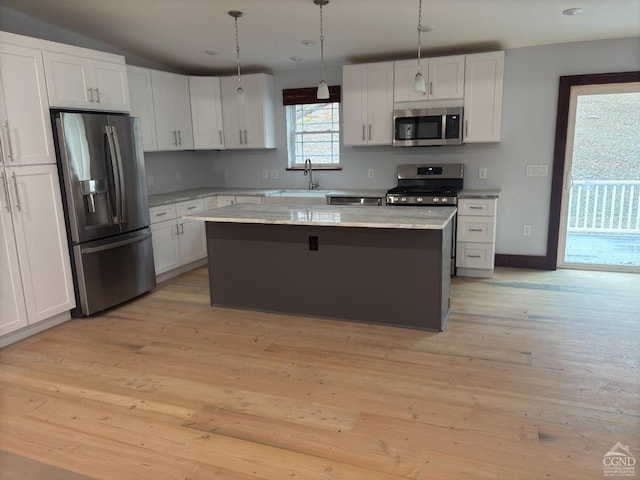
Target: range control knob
pixel 444 200
pixel 436 200
pixel 419 200
pixel 403 199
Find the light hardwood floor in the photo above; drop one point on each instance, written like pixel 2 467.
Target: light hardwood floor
pixel 535 376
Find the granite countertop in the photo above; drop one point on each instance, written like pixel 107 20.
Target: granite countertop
pixel 409 218
pixel 479 194
pixel 156 200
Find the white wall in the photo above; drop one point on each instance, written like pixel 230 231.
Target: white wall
pixel 528 131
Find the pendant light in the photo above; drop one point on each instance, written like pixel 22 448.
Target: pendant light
pixel 323 88
pixel 419 85
pixel 240 96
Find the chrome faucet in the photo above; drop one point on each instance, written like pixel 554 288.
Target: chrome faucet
pixel 308 170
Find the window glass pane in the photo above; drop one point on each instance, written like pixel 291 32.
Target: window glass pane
pixel 315 133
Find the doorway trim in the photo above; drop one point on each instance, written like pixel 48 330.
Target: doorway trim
pixel 550 260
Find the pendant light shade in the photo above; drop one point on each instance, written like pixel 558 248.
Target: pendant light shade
pixel 323 88
pixel 240 96
pixel 419 85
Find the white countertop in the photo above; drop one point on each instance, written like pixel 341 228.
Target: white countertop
pixel 479 194
pixel 158 199
pixel 409 218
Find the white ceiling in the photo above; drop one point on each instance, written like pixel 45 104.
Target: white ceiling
pixel 176 33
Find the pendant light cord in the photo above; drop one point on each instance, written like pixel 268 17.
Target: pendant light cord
pixel 321 47
pixel 419 35
pixel 237 51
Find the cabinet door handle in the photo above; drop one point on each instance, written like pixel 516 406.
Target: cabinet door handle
pixel 179 137
pixel 90 91
pixel 430 88
pixel 9 144
pixel 15 184
pixel 246 141
pixel 175 138
pixel 369 132
pixel 182 228
pixel 240 136
pixel 466 129
pixel 220 132
pixel 5 184
pixel 177 230
pixel 363 133
pixel 97 95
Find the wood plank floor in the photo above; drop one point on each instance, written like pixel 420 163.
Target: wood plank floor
pixel 536 376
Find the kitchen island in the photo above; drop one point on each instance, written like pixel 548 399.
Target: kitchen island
pixel 383 265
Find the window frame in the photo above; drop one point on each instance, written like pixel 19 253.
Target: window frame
pixel 293 134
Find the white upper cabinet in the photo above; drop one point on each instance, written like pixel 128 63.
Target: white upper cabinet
pixel 25 125
pixel 206 112
pixel 444 79
pixel 250 124
pixel 484 74
pixel 76 81
pixel 142 105
pixel 367 104
pixel 172 108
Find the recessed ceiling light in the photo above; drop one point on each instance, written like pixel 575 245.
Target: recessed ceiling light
pixel 427 28
pixel 309 43
pixel 295 58
pixel 211 52
pixel 572 11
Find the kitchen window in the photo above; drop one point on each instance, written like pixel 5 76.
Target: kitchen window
pixel 313 128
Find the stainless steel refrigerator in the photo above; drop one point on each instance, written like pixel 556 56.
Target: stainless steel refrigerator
pixel 105 196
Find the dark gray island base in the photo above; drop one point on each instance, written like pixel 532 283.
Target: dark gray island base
pixel 390 276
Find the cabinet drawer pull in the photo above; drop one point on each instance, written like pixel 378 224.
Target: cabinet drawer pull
pixel 475 208
pixel 476 230
pixel 474 256
pixel 191 207
pixel 161 214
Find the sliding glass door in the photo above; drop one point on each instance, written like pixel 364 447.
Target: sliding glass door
pixel 600 216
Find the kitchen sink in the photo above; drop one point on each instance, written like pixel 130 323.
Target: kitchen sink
pixel 301 193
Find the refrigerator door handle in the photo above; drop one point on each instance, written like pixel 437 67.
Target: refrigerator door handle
pixel 123 196
pixel 5 183
pixel 115 204
pixel 110 246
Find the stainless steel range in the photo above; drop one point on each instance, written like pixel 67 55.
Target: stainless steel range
pixel 432 185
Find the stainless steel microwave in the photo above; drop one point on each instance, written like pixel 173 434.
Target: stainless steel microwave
pixel 427 127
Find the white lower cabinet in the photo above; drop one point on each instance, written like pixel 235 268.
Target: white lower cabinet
pixel 177 242
pixel 35 271
pixel 476 233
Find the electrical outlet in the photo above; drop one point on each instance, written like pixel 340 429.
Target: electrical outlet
pixel 537 171
pixel 274 174
pixel 149 180
pixel 526 230
pixel 482 173
pixel 371 173
pixel 178 177
pixel 265 173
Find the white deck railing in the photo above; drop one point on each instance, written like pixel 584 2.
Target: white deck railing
pixel 604 206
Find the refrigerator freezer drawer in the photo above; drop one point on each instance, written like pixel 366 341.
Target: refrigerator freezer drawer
pixel 112 271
